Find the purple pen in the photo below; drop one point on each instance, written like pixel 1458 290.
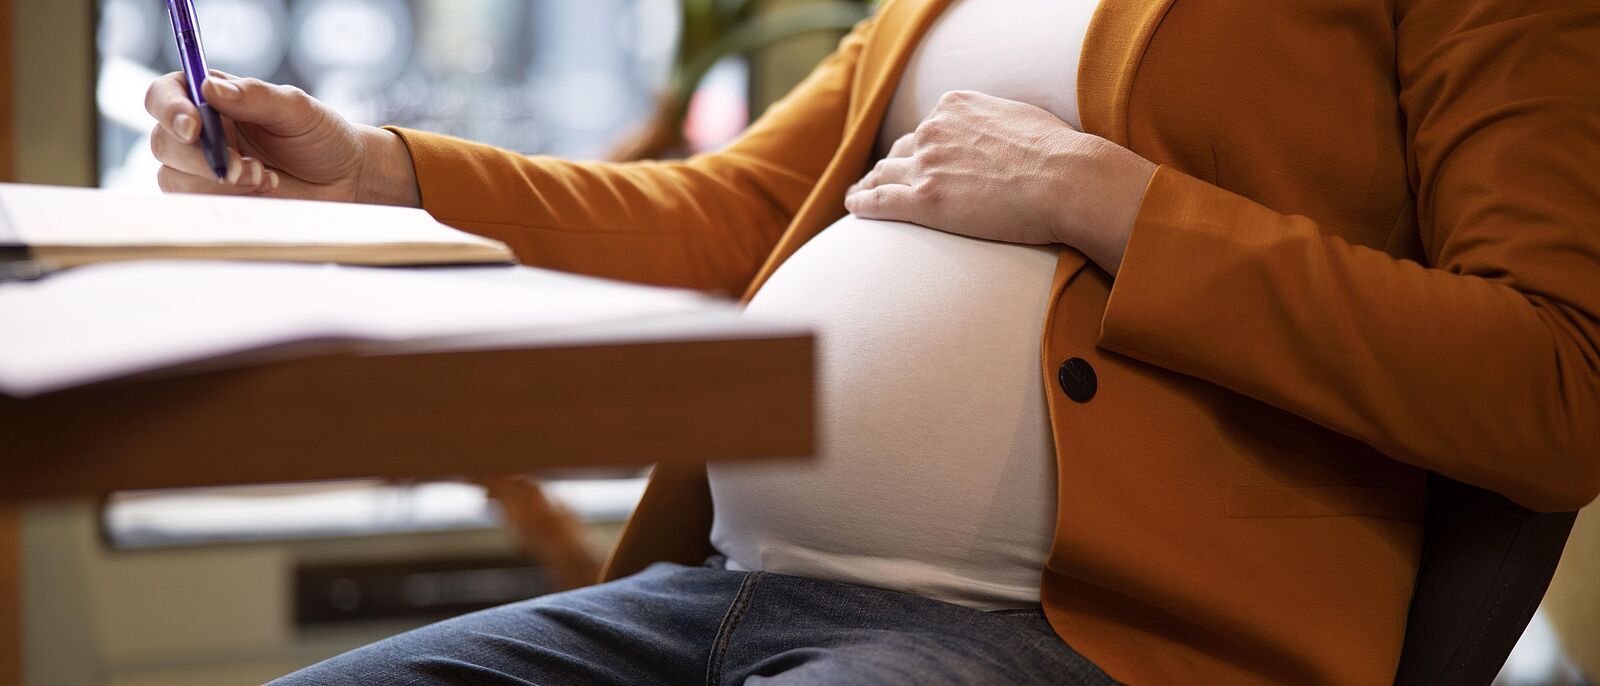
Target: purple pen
pixel 186 27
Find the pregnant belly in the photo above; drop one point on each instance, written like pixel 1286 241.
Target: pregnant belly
pixel 935 472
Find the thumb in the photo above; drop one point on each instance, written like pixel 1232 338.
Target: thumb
pixel 283 110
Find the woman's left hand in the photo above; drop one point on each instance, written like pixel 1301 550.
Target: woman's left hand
pixel 1002 170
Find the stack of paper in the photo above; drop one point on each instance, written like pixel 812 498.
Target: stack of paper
pixel 74 226
pixel 112 320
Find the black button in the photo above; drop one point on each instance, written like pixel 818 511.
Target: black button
pixel 1077 379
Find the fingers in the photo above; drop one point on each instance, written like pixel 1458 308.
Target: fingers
pixel 174 181
pixel 284 110
pixel 248 173
pixel 183 155
pixel 247 176
pixel 890 170
pixel 167 100
pixel 904 146
pixel 245 173
pixel 184 169
pixel 884 202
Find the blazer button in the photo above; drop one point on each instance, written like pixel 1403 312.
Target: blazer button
pixel 1077 379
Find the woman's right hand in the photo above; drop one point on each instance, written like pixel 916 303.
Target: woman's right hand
pixel 282 143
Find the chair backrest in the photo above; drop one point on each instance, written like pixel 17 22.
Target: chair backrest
pixel 1486 563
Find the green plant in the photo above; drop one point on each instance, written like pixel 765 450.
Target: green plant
pixel 715 29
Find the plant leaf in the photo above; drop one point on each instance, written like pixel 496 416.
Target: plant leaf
pixel 761 31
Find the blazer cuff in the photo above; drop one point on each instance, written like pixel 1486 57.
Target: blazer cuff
pixel 1173 285
pixel 446 166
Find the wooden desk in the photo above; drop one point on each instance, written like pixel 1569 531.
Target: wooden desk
pixel 636 395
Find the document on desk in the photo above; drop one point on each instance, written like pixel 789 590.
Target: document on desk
pixel 75 226
pixel 114 320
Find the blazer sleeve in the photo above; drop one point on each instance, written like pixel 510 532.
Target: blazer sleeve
pixel 708 222
pixel 1482 364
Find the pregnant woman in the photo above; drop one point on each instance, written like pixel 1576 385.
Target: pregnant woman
pixel 1141 323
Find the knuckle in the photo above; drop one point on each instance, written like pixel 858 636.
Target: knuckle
pixel 954 97
pixel 292 92
pixel 154 96
pixel 256 89
pixel 302 108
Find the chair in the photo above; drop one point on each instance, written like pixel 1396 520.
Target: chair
pixel 1486 563
pixel 547 531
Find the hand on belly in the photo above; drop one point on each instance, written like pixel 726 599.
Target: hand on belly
pixel 1005 170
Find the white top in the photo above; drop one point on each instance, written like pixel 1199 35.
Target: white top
pixel 936 471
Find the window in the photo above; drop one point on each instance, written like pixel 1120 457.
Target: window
pixel 563 77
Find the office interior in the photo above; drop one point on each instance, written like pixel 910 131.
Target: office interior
pixel 241 584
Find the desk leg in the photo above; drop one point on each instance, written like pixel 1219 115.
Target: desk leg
pixel 10 595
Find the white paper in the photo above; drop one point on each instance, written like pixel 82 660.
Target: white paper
pixel 112 320
pixel 61 216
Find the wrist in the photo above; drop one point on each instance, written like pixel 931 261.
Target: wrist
pixel 387 175
pixel 1100 222
pixel 1133 182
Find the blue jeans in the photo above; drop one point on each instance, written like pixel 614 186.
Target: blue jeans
pixel 672 624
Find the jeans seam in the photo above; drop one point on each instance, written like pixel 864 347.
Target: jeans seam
pixel 730 621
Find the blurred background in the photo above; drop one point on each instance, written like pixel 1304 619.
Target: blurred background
pixel 559 77
pixel 563 78
pixel 239 585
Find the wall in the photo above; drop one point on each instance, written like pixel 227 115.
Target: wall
pixel 52 48
pixel 1573 601
pixel 219 614
pixel 7 151
pixel 10 516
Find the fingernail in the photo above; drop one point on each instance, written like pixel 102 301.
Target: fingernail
pixel 226 90
pixel 235 170
pixel 186 128
pixel 258 173
pixel 272 180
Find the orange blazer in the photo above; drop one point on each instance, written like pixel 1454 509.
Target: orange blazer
pixel 1372 249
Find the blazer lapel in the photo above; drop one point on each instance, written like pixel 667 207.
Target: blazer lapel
pixel 899 30
pixel 1118 34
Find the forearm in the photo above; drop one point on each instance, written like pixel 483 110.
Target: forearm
pixel 706 224
pixel 709 222
pixel 1448 371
